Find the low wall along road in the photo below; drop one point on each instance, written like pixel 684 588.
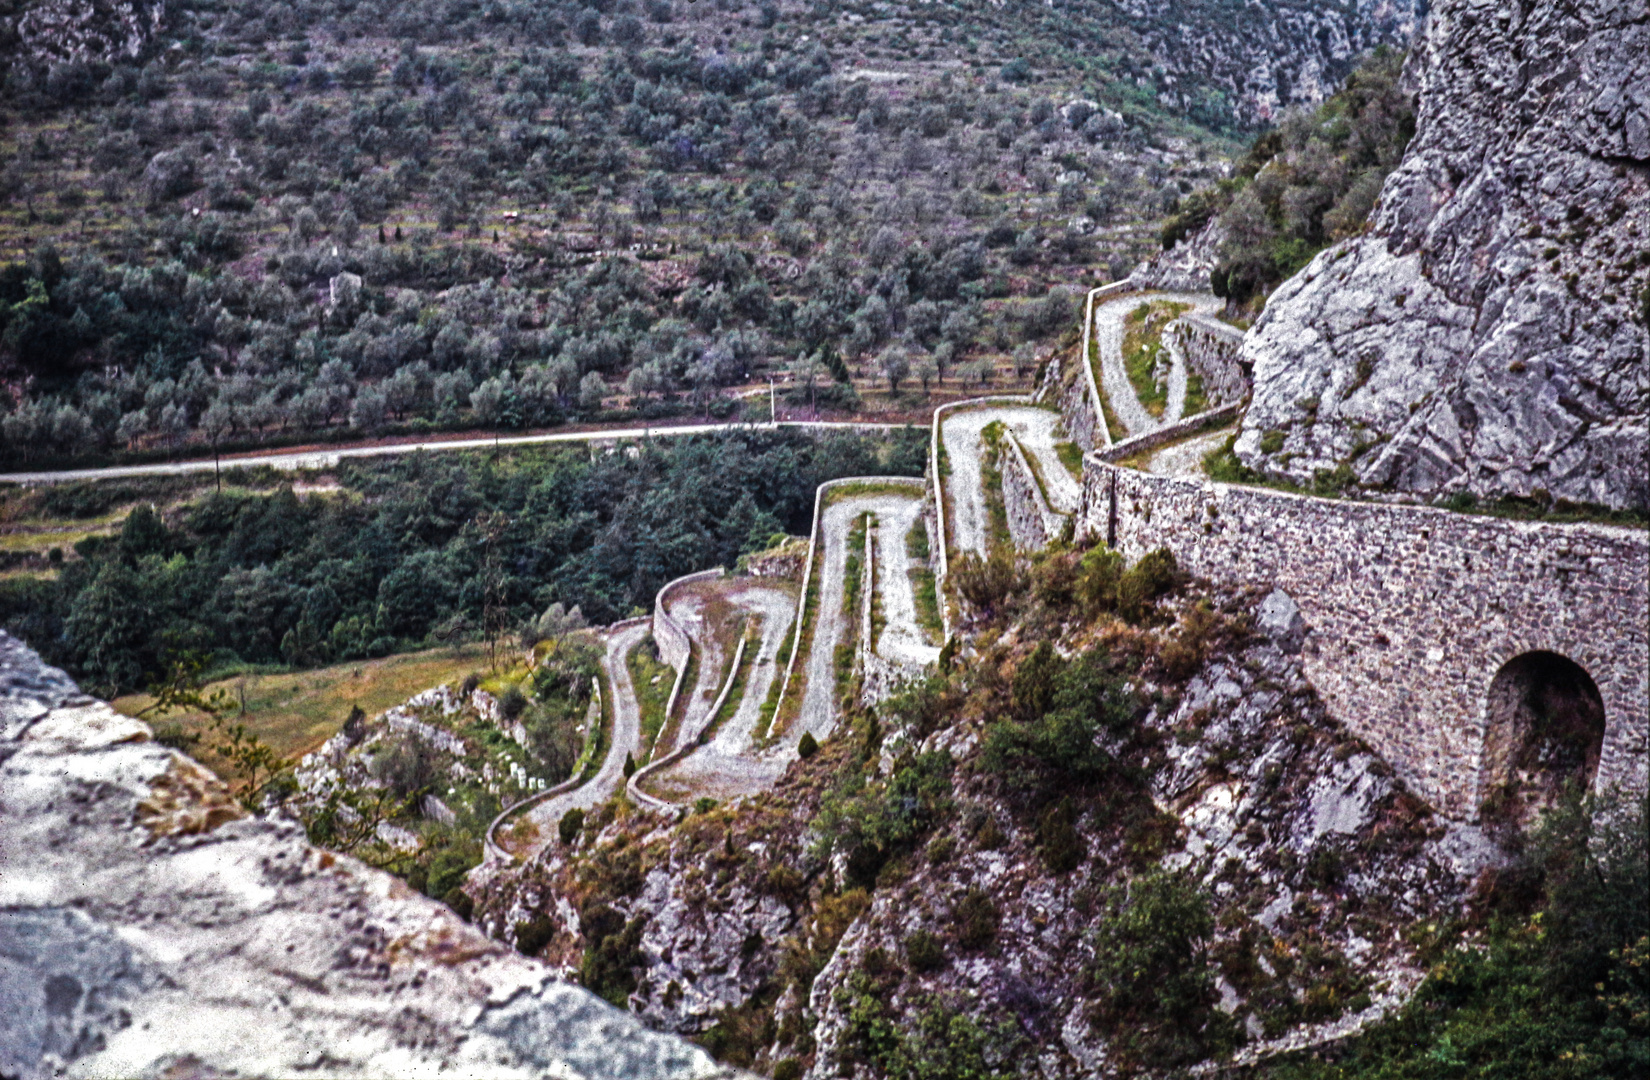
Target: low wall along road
pixel 1414 615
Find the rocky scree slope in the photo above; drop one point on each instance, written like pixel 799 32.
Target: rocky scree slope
pixel 148 927
pixel 899 900
pixel 1487 335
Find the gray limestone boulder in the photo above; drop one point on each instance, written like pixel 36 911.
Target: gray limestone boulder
pixel 1487 334
pixel 149 927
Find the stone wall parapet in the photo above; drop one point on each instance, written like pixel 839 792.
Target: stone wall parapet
pixel 1412 611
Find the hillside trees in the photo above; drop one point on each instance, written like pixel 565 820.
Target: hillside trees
pixel 271 578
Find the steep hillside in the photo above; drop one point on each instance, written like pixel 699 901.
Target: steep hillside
pixel 1487 336
pixel 945 888
pixel 316 219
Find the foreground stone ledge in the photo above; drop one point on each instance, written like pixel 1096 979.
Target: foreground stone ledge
pixel 148 927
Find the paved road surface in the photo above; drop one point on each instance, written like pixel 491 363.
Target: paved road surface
pixel 627 736
pixel 325 459
pixel 968 520
pixel 1108 334
pixel 903 640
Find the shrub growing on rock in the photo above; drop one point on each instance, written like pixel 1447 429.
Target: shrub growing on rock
pixel 571 824
pixel 976 920
pixel 1155 986
pixel 924 951
pixel 1058 840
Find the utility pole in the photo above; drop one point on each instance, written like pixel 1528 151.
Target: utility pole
pixel 773 407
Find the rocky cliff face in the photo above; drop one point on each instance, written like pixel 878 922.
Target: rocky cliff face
pixel 1487 334
pixel 731 926
pixel 149 927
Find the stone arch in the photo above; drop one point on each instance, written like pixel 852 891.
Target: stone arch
pixel 1544 730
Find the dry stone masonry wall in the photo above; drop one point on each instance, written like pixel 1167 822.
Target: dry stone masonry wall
pixel 1213 349
pixel 1032 523
pixel 1411 612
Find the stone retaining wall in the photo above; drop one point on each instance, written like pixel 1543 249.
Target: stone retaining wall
pixel 1412 611
pixel 1032 523
pixel 669 636
pixel 1211 349
pixel 1168 433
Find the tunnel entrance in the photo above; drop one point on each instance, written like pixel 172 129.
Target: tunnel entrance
pixel 1545 730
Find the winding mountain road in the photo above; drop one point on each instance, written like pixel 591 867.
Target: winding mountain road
pixel 1108 333
pixel 626 736
pixel 731 764
pixel 968 519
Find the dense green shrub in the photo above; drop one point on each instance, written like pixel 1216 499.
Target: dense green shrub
pixel 1050 753
pixel 1061 845
pixel 1154 984
pixel 924 951
pixel 870 820
pixel 975 920
pixel 570 825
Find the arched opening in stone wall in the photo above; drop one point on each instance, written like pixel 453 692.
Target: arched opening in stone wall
pixel 1545 730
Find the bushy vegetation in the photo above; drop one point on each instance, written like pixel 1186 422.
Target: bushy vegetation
pixel 424 548
pixel 320 219
pixel 1303 185
pixel 1557 984
pixel 1154 983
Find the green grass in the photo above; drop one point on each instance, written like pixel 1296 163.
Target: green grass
pixel 1071 456
pixel 770 705
pixel 787 708
pixel 1197 398
pixel 991 484
pixel 1142 348
pixel 916 541
pixel 652 679
pixel 293 713
pixel 926 593
pixel 741 678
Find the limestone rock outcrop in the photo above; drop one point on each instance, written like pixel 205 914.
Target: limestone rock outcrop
pixel 1487 334
pixel 149 927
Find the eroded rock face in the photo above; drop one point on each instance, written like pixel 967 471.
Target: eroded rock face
pixel 147 927
pixel 1487 335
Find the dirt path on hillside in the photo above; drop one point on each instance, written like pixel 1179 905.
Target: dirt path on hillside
pixel 967 519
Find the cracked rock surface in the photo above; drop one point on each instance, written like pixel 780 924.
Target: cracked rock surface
pixel 1487 334
pixel 148 927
